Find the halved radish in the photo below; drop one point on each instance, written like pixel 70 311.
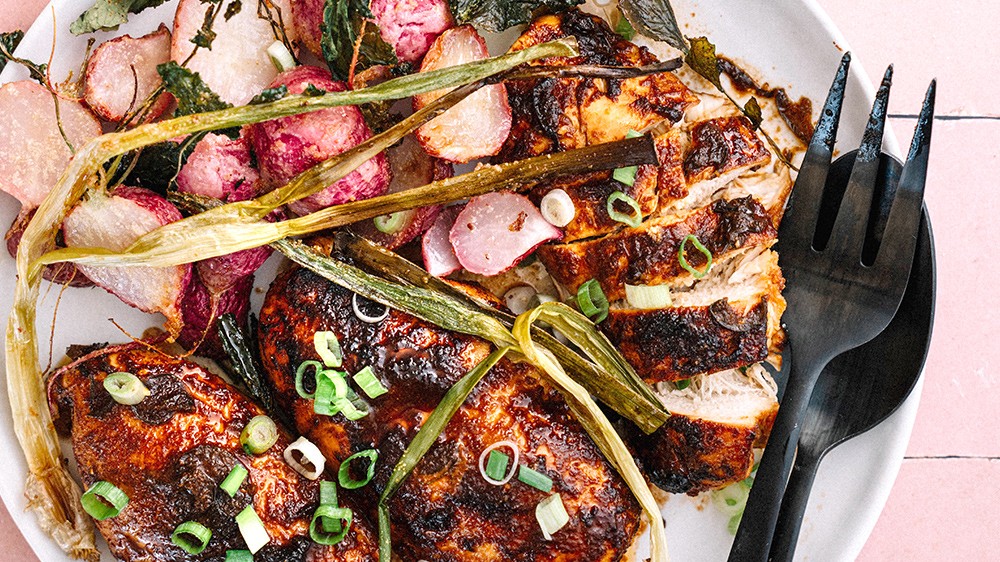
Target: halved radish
pixel 111 88
pixel 411 167
pixel 439 254
pixel 33 154
pixel 307 18
pixel 479 124
pixel 221 168
pixel 202 308
pixel 494 231
pixel 411 26
pixel 58 273
pixel 114 222
pixel 288 146
pixel 237 66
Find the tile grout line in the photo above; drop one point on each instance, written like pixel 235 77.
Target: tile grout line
pixel 953 457
pixel 948 117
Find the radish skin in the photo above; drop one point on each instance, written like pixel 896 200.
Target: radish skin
pixel 112 90
pixel 114 222
pixel 33 153
pixel 201 315
pixel 221 168
pixel 288 146
pixel 478 125
pixel 411 26
pixel 59 273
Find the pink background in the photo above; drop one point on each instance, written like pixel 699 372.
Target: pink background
pixel 944 506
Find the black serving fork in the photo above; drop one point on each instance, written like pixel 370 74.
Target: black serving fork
pixel 836 299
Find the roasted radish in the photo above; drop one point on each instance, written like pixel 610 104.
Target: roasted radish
pixel 121 75
pixel 33 153
pixel 221 168
pixel 202 308
pixel 237 66
pixel 307 19
pixel 478 125
pixel 59 273
pixel 288 146
pixel 411 26
pixel 438 253
pixel 114 222
pixel 411 167
pixel 494 231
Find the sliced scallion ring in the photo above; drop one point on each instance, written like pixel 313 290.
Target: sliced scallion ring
pixel 488 451
pixel 592 302
pixel 328 347
pixel 232 482
pixel 280 56
pixel 682 384
pixel 239 556
pixel 353 406
pixel 648 296
pixel 191 536
pixel 328 496
pixel 324 515
pixel 364 316
pixel 252 529
pixel 701 248
pixel 535 479
pixel 331 388
pixel 551 515
pixel 344 472
pixel 627 175
pixel 632 219
pixel 496 465
pixel 103 500
pixel 125 388
pixel 557 208
pixel 369 383
pixel 391 223
pixel 300 377
pixel 305 458
pixel 259 435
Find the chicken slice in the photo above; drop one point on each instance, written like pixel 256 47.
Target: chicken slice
pixel 169 453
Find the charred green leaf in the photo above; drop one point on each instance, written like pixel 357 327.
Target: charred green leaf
pixel 701 58
pixel 498 15
pixel 654 19
pixel 312 91
pixel 270 94
pixel 192 93
pixel 344 22
pixel 624 28
pixel 753 112
pixel 232 9
pixel 9 42
pixel 107 15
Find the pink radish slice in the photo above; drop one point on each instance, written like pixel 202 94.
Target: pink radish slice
pixel 221 273
pixel 494 231
pixel 288 146
pixel 439 255
pixel 114 222
pixel 221 168
pixel 307 17
pixel 33 154
pixel 411 26
pixel 237 66
pixel 478 125
pixel 411 167
pixel 201 316
pixel 110 87
pixel 58 273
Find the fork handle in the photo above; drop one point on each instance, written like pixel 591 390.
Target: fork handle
pixel 753 539
pixel 793 507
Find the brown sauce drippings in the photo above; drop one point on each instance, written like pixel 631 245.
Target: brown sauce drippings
pixel 798 113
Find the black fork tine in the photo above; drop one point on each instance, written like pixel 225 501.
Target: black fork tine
pixel 904 217
pixel 848 236
pixel 799 221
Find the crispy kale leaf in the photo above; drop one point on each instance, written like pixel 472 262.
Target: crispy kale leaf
pixel 701 58
pixel 654 19
pixel 107 15
pixel 498 15
pixel 343 22
pixel 9 42
pixel 192 93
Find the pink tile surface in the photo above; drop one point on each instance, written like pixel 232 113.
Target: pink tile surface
pixel 939 509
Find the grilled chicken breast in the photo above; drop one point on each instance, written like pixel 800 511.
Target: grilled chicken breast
pixel 169 453
pixel 445 510
pixel 552 115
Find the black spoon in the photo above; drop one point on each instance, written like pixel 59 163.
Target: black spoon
pixel 862 387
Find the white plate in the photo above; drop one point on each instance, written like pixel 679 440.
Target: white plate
pixel 787 42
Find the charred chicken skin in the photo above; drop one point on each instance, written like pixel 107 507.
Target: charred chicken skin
pixel 170 452
pixel 446 510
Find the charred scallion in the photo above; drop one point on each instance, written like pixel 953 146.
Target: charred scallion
pixel 243 360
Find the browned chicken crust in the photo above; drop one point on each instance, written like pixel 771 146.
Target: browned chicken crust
pixel 170 452
pixel 647 254
pixel 721 145
pixel 445 510
pixel 552 115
